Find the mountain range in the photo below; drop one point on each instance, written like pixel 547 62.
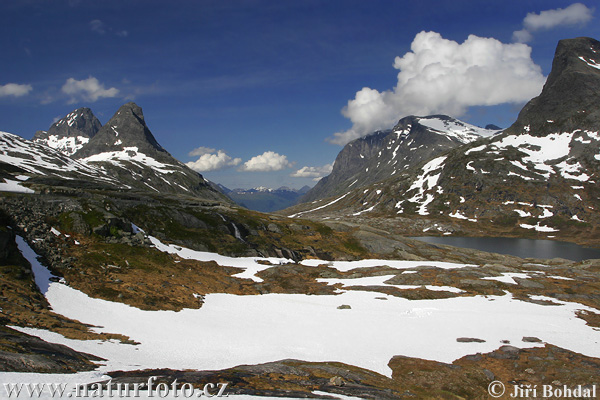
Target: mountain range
pixel 536 178
pixel 265 199
pixel 118 260
pixel 122 154
pixel 383 154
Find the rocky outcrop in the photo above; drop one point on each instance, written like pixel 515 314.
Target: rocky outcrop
pixel 20 352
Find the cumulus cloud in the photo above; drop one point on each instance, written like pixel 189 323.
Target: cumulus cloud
pixel 200 151
pixel 14 89
pixel 443 76
pixel 313 172
pixel 575 14
pixel 87 89
pixel 210 161
pixel 267 161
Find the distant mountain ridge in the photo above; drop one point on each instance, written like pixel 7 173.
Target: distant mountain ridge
pixel 384 154
pixel 265 199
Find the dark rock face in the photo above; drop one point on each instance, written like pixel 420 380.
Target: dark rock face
pixel 70 133
pixel 81 122
pixel 384 154
pixel 571 94
pixel 127 128
pixel 127 149
pixel 26 353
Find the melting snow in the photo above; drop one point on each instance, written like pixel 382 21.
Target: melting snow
pixel 308 327
pixel 426 181
pixel 591 63
pixel 507 277
pixel 14 186
pixel 461 131
pixel 67 145
pixel 538 227
pixel 380 281
pixel 131 154
pixel 319 208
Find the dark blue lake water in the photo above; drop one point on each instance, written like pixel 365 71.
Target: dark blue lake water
pixel 518 247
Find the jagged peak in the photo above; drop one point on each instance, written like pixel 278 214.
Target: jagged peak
pixel 126 129
pixel 570 97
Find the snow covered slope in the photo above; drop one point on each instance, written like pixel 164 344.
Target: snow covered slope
pixel 307 327
pixel 24 159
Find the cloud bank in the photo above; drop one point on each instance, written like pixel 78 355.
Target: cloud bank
pixel 442 76
pixel 266 162
pixel 210 161
pixel 87 89
pixel 575 14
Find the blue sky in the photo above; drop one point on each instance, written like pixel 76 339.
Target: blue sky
pixel 259 89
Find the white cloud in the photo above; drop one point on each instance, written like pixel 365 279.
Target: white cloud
pixel 101 28
pixel 267 161
pixel 212 162
pixel 443 76
pixel 98 26
pixel 313 172
pixel 88 89
pixel 575 14
pixel 522 36
pixel 200 151
pixel 14 89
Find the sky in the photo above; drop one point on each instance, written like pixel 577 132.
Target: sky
pixel 266 92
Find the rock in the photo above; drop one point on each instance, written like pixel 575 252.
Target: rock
pixel 344 307
pixel 489 374
pixel 336 381
pixel 273 228
pixel 531 339
pixel 32 354
pixel 469 340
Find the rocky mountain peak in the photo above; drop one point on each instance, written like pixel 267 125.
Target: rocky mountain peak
pixel 383 154
pixel 70 133
pixel 570 97
pixel 80 122
pixel 125 131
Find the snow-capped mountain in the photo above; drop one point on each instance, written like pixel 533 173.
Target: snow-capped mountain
pixel 539 176
pixel 126 147
pixel 123 153
pixel 70 133
pixel 385 154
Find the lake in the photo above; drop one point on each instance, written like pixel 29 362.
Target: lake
pixel 535 248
